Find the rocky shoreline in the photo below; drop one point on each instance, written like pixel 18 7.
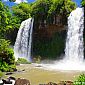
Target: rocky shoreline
pixel 38 76
pixel 22 81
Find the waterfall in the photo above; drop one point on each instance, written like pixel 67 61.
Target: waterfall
pixel 74 50
pixel 22 47
pixel 74 42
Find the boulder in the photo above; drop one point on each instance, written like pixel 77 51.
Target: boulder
pixel 9 73
pixel 22 82
pixel 1 82
pixel 62 83
pixel 6 81
pixel 69 83
pixel 51 83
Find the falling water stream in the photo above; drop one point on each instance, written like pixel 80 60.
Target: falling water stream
pixel 22 47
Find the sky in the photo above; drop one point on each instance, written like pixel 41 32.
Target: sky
pixel 78 2
pixel 19 1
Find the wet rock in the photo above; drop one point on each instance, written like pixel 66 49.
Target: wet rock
pixel 1 82
pixel 9 81
pixel 15 69
pixel 51 83
pixel 9 73
pixel 12 78
pixel 38 66
pixel 6 81
pixel 22 82
pixel 23 70
pixel 69 83
pixel 61 83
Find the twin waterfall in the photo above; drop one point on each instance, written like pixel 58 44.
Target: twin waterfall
pixel 22 48
pixel 74 55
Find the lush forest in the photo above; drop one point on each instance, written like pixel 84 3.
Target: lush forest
pixel 11 18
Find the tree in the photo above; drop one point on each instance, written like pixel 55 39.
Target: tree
pixel 41 7
pixel 12 0
pixel 22 11
pixel 5 16
pixel 49 8
pixel 7 60
pixel 83 3
pixel 62 6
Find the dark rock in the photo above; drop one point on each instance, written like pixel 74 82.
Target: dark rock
pixel 9 73
pixel 22 82
pixel 51 83
pixel 38 66
pixel 1 82
pixel 69 83
pixel 12 78
pixel 15 70
pixel 6 81
pixel 62 83
pixel 23 70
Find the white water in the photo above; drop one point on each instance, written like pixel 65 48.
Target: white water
pixel 22 47
pixel 74 57
pixel 74 42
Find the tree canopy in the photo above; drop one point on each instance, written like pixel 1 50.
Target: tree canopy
pixel 4 18
pixel 7 59
pixel 83 3
pixel 22 11
pixel 44 8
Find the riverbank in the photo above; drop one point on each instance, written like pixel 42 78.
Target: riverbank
pixel 36 75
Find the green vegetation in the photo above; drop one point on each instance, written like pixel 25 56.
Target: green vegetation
pixel 80 80
pixel 7 60
pixel 22 11
pixel 83 3
pixel 4 19
pixel 50 48
pixel 22 61
pixel 44 8
pixel 49 8
pixel 1 74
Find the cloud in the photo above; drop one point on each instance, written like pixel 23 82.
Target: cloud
pixel 19 1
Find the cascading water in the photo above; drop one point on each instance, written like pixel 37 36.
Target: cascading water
pixel 74 42
pixel 22 47
pixel 74 55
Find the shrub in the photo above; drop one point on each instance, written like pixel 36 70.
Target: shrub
pixel 22 61
pixel 1 74
pixel 6 56
pixel 80 80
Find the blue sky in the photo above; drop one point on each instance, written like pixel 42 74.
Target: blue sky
pixel 19 1
pixel 78 2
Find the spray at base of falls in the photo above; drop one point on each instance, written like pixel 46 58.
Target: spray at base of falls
pixel 22 47
pixel 74 51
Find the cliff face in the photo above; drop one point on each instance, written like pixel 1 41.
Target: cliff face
pixel 43 29
pixel 49 39
pixel 52 29
pixel 49 30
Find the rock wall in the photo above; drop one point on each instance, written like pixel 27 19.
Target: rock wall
pixel 49 41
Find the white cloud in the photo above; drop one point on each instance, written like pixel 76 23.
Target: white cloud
pixel 19 1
